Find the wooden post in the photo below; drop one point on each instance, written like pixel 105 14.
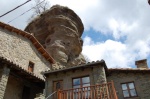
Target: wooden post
pixel 59 94
pixel 114 91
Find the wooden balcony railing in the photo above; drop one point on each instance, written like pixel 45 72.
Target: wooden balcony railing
pixel 103 91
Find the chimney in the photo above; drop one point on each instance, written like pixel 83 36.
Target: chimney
pixel 141 63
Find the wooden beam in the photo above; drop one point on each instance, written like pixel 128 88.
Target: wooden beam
pixel 26 35
pixel 34 42
pixel 44 53
pixel 82 69
pixel 30 37
pixel 48 58
pixel 40 48
pixel 29 77
pixel 21 73
pixel 5 27
pixel 12 30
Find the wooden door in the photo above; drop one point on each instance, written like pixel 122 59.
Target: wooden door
pixel 57 85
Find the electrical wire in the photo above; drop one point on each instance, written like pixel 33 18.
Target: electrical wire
pixel 25 12
pixel 14 8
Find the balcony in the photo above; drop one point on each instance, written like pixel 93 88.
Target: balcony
pixel 102 91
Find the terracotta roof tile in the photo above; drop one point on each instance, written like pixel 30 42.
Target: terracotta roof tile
pixel 89 64
pixel 128 70
pixel 34 41
pixel 13 65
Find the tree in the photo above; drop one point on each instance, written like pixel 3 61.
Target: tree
pixel 39 7
pixel 86 59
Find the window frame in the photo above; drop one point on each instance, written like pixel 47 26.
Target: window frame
pixel 128 89
pixel 81 87
pixel 31 66
pixel 81 84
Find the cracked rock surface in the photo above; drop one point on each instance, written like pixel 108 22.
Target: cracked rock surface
pixel 59 30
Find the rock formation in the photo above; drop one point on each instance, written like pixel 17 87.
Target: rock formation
pixel 59 30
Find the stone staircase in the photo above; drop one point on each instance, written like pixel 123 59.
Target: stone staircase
pixel 40 96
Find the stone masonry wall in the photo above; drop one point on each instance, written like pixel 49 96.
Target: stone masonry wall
pixel 141 81
pixel 97 76
pixel 3 80
pixel 14 88
pixel 20 50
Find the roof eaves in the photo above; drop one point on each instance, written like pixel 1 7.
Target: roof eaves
pixel 127 69
pixel 13 65
pixel 89 64
pixel 34 41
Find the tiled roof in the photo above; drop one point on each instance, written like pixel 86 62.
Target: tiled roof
pixel 27 35
pixel 128 70
pixel 20 68
pixel 89 64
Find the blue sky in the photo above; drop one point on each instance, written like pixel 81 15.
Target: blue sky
pixel 114 30
pixel 96 36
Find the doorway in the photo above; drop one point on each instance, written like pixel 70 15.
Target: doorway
pixel 26 92
pixel 57 85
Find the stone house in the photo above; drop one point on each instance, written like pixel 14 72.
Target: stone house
pixel 26 68
pixel 84 74
pixel 22 58
pixel 128 83
pixel 131 83
pixel 17 72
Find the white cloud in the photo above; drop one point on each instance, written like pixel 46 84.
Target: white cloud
pixel 121 18
pixel 115 53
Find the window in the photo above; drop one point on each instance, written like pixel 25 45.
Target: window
pixel 129 89
pixel 31 67
pixel 78 83
pixel 81 82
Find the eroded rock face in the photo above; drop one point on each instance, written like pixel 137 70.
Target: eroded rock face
pixel 59 30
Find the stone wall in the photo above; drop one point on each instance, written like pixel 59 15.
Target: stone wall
pixel 4 74
pixel 20 50
pixel 141 81
pixel 14 89
pixel 99 75
pixel 96 74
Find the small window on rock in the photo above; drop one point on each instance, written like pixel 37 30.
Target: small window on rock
pixel 31 67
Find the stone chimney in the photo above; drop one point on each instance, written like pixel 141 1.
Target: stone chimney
pixel 141 63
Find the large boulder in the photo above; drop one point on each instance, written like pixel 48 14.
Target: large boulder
pixel 59 30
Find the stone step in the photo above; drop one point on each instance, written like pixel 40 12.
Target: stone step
pixel 40 96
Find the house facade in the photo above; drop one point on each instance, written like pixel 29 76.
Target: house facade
pixel 75 77
pixel 128 83
pixel 22 59
pixel 26 68
pixel 131 83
